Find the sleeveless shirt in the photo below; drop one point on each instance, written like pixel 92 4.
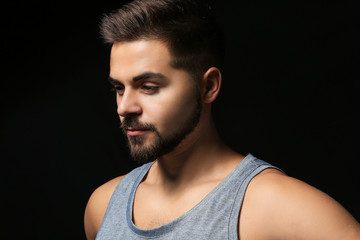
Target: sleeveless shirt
pixel 216 216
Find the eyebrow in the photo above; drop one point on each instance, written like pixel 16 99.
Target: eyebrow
pixel 143 76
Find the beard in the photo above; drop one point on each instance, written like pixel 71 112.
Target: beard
pixel 160 145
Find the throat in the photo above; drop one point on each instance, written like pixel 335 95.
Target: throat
pixel 172 187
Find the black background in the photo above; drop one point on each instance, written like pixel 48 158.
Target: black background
pixel 290 96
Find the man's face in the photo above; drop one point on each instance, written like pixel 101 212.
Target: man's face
pixel 158 105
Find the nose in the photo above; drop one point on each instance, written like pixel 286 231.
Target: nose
pixel 128 103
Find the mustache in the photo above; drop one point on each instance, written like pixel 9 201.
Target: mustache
pixel 135 123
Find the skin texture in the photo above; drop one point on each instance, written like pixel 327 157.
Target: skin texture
pixel 280 206
pixel 152 91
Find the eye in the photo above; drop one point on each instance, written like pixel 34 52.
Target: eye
pixel 150 89
pixel 118 89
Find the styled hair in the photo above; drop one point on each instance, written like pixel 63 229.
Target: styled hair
pixel 187 27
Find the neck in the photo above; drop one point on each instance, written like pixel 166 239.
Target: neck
pixel 196 159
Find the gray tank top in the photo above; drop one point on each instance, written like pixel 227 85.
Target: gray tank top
pixel 215 217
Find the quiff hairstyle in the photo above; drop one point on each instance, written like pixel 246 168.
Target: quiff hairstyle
pixel 187 27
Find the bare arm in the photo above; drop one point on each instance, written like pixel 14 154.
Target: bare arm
pixel 96 207
pixel 280 207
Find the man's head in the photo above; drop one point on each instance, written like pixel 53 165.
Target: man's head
pixel 187 27
pixel 164 70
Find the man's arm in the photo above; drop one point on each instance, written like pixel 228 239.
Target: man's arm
pixel 280 207
pixel 96 207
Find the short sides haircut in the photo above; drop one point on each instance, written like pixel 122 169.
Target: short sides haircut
pixel 188 27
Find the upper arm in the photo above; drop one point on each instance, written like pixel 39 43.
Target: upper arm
pixel 96 207
pixel 286 208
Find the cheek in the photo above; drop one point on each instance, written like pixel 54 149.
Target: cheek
pixel 171 109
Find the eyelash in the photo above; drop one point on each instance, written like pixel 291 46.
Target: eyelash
pixel 147 89
pixel 117 89
pixel 150 88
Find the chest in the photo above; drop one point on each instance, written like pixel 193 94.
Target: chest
pixel 154 207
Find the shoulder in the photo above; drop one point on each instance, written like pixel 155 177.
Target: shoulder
pixel 96 206
pixel 287 208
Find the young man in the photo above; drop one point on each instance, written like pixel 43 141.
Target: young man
pixel 165 67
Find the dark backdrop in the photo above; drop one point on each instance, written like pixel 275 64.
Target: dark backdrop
pixel 290 96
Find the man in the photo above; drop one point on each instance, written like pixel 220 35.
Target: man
pixel 165 67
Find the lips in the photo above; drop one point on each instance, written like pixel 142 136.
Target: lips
pixel 136 131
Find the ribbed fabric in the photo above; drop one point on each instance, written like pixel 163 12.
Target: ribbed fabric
pixel 215 217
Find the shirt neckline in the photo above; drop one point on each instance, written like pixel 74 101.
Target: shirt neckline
pixel 166 228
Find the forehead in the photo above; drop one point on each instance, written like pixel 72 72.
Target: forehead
pixel 131 58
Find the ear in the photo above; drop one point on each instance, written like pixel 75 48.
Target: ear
pixel 211 84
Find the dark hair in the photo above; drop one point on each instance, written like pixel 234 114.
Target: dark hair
pixel 188 27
